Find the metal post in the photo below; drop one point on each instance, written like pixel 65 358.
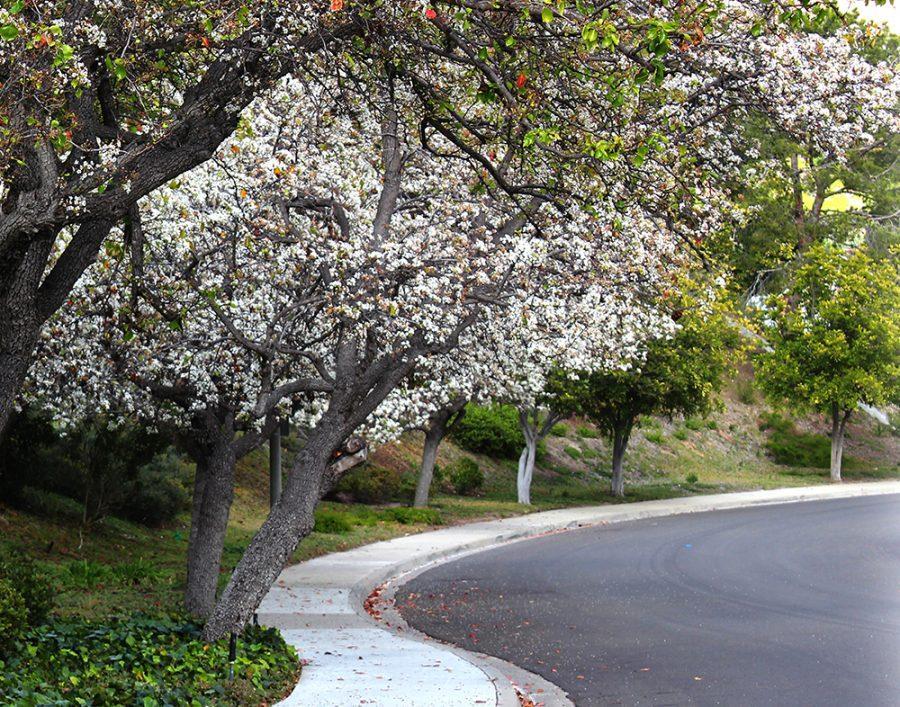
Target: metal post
pixel 275 467
pixel 232 654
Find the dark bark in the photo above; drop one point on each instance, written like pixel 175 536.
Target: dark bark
pixel 289 521
pixel 433 438
pixel 620 436
pixel 213 496
pixel 439 426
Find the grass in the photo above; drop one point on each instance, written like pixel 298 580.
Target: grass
pixel 119 566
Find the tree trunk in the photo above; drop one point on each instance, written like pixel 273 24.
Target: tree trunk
pixel 433 437
pixel 20 319
pixel 620 442
pixel 838 425
pixel 526 470
pixel 289 521
pixel 213 496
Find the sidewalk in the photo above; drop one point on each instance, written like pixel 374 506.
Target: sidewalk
pixel 355 659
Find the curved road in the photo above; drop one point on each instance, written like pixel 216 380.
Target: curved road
pixel 795 604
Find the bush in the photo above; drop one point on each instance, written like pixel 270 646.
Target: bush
pixel 573 452
pixel 466 476
pixel 712 425
pixel 412 516
pixel 142 661
pixel 139 571
pixel 33 586
pixel 691 478
pixel 694 424
pixel 85 574
pixel 680 433
pixel 588 453
pixel 13 616
pixel 745 391
pixel 559 430
pixel 159 493
pixel 587 432
pixel 493 431
pixel 368 484
pixel 799 449
pixel 332 522
pixel 655 436
pixel 104 469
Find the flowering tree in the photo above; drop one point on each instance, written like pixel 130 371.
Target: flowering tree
pixel 103 101
pixel 573 120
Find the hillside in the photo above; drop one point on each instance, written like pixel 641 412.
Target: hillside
pixel 118 566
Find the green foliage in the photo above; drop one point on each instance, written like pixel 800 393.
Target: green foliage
pixel 332 522
pixel 85 574
pixel 123 471
pixel 655 436
pixel 32 585
pixel 587 432
pixel 712 424
pixel 559 430
pixel 413 516
pixel 588 453
pixel 792 448
pixel 466 476
pixel 694 424
pixel 573 452
pixel 680 434
pixel 369 483
pixel 745 391
pixel 13 616
pixel 834 333
pixel 143 661
pixel 492 430
pixel 691 478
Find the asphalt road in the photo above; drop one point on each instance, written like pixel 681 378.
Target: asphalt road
pixel 795 604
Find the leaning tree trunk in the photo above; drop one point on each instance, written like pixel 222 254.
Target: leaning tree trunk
pixel 291 520
pixel 213 496
pixel 838 426
pixel 433 438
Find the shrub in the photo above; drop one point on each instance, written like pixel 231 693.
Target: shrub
pixel 799 449
pixel 332 522
pixel 139 571
pixel 712 424
pixel 103 468
pixel 407 486
pixel 143 661
pixel 588 453
pixel 691 478
pixel 412 516
pixel 694 424
pixel 85 574
pixel 655 436
pixel 559 430
pixel 492 430
pixel 573 452
pixel 13 616
pixel 466 476
pixel 680 433
pixel 587 432
pixel 33 586
pixel 369 484
pixel 745 391
pixel 159 492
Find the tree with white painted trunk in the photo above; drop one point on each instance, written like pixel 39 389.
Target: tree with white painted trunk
pixel 834 334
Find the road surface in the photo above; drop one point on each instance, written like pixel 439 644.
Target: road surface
pixel 794 604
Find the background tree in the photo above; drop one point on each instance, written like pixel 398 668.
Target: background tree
pixel 680 375
pixel 835 338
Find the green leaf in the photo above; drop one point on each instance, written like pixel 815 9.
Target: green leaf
pixel 547 15
pixel 9 32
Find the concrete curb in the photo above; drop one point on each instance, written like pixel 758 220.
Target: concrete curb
pixel 355 659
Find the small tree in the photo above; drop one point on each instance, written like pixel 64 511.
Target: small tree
pixel 834 337
pixel 680 375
